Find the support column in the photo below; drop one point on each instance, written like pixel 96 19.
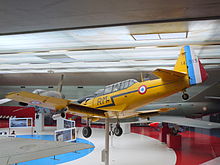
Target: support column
pixel 60 123
pixel 107 141
pixel 164 132
pixel 39 122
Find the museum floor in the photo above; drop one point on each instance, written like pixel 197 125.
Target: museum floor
pixel 129 149
pixel 142 147
pixel 198 145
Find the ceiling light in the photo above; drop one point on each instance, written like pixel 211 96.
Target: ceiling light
pixel 139 37
pixel 173 35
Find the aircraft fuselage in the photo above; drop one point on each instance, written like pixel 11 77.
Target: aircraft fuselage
pixel 137 95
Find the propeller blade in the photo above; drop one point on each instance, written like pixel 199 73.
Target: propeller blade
pixel 60 85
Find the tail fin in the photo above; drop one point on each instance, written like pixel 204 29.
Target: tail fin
pixel 190 64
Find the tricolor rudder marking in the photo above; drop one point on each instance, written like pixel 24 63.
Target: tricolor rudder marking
pixel 196 71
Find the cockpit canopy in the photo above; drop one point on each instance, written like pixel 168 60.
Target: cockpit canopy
pixel 110 88
pixel 116 87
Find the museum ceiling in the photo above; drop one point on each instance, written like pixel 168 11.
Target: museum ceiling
pixel 101 45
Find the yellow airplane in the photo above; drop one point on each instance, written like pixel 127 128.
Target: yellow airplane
pixel 120 100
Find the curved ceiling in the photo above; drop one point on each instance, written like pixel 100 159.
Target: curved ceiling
pixel 53 37
pixel 109 49
pixel 40 15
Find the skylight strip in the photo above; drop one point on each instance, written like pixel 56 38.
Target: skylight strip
pixel 159 36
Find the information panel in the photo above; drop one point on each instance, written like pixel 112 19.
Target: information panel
pixel 66 135
pixel 20 122
pixel 68 123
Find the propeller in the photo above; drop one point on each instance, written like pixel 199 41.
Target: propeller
pixel 60 85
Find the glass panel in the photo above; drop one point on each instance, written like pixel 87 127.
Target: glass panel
pixel 122 85
pixel 116 87
pixel 132 81
pixel 126 83
pixel 99 92
pixel 108 89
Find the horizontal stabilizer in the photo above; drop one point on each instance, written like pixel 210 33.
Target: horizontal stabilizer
pixel 167 75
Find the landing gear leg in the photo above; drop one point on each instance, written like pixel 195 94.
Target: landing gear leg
pixel 87 131
pixel 111 132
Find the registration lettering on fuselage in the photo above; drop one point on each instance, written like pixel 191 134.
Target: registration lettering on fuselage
pixel 103 100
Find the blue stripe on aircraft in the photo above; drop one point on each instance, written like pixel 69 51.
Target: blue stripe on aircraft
pixel 189 62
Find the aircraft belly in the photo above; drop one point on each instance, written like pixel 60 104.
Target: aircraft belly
pixel 122 114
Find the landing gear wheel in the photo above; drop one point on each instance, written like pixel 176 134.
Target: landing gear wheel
pixel 87 132
pixel 185 96
pixel 63 115
pixel 118 131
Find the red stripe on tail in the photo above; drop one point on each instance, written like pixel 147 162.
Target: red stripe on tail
pixel 204 74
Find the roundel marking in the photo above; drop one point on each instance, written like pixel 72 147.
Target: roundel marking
pixel 142 89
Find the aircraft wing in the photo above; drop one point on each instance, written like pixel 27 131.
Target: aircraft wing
pixel 3 101
pixel 213 97
pixel 54 103
pixel 183 121
pixel 17 150
pixel 168 75
pixel 210 93
pixel 154 112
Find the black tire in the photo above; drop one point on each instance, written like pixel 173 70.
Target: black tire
pixel 87 132
pixel 118 131
pixel 63 115
pixel 185 96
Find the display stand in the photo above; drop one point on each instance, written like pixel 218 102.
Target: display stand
pixel 105 152
pixel 164 132
pixel 107 141
pixel 174 141
pixel 60 123
pixel 39 122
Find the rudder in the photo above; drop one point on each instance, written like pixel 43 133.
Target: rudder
pixel 189 63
